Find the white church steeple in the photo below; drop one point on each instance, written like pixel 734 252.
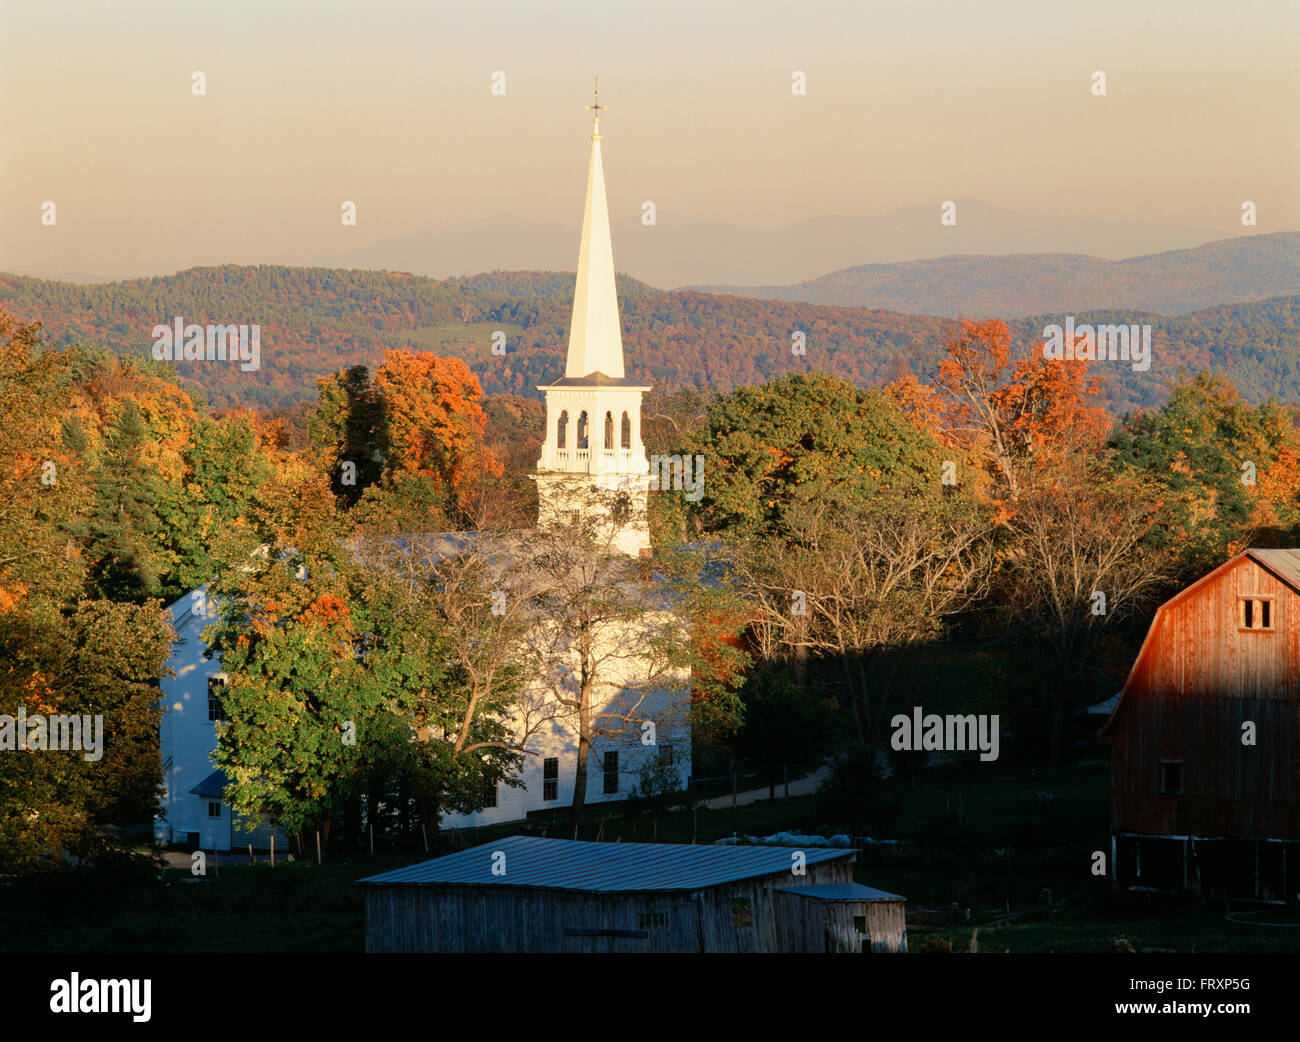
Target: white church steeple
pixel 595 341
pixel 592 455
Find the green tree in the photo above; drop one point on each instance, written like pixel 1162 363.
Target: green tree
pixel 126 532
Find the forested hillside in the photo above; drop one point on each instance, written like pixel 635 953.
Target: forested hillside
pixel 316 321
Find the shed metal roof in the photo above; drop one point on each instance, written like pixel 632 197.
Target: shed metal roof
pixel 841 892
pixel 561 864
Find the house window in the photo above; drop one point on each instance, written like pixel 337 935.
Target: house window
pixel 741 914
pixel 652 921
pixel 1171 776
pixel 216 710
pixel 490 796
pixel 551 778
pixel 214 808
pixel 1255 613
pixel 611 773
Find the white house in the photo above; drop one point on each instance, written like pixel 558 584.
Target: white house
pixel 196 811
pixel 592 458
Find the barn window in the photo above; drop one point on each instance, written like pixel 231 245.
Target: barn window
pixel 860 923
pixel 1255 613
pixel 214 808
pixel 216 709
pixel 666 757
pixel 551 778
pixel 741 914
pixel 652 921
pixel 1171 776
pixel 611 773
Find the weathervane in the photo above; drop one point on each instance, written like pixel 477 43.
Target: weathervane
pixel 597 106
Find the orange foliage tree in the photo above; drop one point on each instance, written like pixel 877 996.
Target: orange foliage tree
pixel 435 420
pixel 1016 413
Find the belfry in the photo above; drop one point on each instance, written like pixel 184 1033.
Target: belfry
pixel 592 456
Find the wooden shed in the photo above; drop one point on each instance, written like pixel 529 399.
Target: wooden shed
pixel 528 894
pixel 1205 738
pixel 843 917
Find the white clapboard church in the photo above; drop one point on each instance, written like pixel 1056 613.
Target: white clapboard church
pixel 592 443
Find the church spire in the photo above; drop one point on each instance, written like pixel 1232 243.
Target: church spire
pixel 595 340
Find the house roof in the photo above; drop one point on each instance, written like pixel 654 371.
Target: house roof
pixel 213 785
pixel 561 864
pixel 1284 564
pixel 841 892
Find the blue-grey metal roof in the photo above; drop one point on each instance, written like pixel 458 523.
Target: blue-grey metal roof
pixel 561 864
pixel 841 892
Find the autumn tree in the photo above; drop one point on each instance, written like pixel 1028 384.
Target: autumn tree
pixel 435 422
pixel 1015 413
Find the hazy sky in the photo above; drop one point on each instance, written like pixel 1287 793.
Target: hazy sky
pixel 389 105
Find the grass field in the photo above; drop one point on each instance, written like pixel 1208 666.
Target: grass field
pixel 976 847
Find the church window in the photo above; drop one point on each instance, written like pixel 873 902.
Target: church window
pixel 626 439
pixel 551 777
pixel 582 430
pixel 562 429
pixel 609 430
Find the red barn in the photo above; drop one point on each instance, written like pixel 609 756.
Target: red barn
pixel 1205 738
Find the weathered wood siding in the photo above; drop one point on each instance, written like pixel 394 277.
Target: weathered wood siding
pixel 1200 678
pixel 829 926
pixel 500 919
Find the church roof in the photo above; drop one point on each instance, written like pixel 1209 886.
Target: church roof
pixel 597 379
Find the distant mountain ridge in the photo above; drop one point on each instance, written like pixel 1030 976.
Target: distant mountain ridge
pixel 679 251
pixel 315 321
pixel 1175 282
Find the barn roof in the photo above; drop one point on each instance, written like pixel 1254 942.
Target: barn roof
pixel 1282 563
pixel 561 864
pixel 841 892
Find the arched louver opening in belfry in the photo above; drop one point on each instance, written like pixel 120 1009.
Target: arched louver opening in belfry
pixel 582 429
pixel 609 430
pixel 562 429
pixel 626 439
